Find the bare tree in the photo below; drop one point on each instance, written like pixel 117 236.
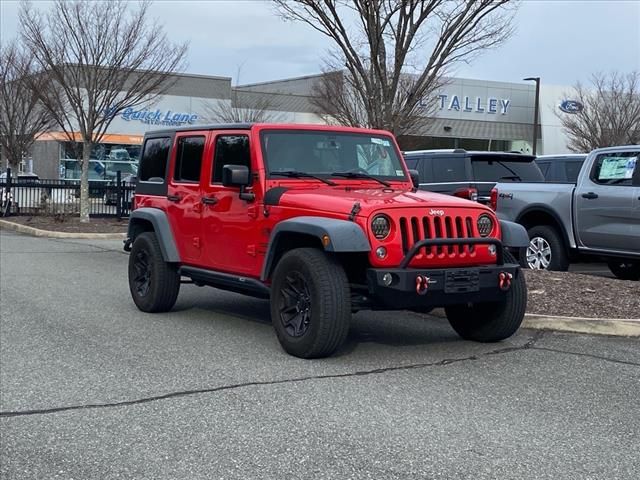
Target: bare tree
pixel 22 116
pixel 607 112
pixel 244 107
pixel 104 57
pixel 394 53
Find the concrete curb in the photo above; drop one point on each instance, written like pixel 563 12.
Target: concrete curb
pixel 36 232
pixel 594 326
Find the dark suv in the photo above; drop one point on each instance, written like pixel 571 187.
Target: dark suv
pixel 470 175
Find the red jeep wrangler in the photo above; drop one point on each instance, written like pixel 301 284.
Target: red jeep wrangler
pixel 323 221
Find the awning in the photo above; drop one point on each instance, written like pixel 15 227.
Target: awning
pixel 475 129
pixel 106 138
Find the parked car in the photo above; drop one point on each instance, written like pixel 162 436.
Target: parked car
pixel 323 221
pixel 111 191
pixel 561 168
pixel 598 216
pixel 469 174
pixel 25 194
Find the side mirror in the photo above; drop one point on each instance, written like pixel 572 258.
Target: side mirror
pixel 415 178
pixel 238 176
pixel 235 176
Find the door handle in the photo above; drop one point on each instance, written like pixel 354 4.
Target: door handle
pixel 174 198
pixel 209 200
pixel 590 195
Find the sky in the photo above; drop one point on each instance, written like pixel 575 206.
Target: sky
pixel 561 41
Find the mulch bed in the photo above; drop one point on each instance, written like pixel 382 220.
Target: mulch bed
pixel 578 295
pixel 72 224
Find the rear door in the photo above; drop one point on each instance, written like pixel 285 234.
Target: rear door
pixel 184 206
pixel 605 213
pixel 445 173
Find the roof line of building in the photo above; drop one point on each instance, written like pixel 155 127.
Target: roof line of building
pixel 291 79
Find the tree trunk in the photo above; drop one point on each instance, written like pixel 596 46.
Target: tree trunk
pixel 84 182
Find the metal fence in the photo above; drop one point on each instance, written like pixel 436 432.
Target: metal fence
pixel 22 195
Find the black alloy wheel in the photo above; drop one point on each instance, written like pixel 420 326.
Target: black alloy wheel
pixel 295 305
pixel 142 277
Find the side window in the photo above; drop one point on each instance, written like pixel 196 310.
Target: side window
pixel 153 163
pixel 572 169
pixel 544 167
pixel 412 163
pixel 449 169
pixel 230 150
pixel 188 159
pixel 614 168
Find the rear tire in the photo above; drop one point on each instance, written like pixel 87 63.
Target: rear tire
pixel 154 283
pixel 546 250
pixel 310 303
pixel 492 322
pixel 625 269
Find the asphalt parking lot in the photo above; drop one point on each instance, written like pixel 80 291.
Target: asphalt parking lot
pixel 93 388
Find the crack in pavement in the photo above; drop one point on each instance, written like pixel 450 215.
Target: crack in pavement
pixel 588 355
pixel 184 393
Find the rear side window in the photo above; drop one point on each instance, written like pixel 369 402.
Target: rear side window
pixel 544 168
pixel 449 169
pixel 572 169
pixel 230 150
pixel 189 159
pixel 494 170
pixel 614 168
pixel 412 163
pixel 153 163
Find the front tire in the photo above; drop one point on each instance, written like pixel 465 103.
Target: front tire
pixel 310 303
pixel 625 269
pixel 546 250
pixel 154 284
pixel 495 321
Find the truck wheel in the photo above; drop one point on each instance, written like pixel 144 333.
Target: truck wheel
pixel 310 303
pixel 491 322
pixel 154 283
pixel 545 251
pixel 625 269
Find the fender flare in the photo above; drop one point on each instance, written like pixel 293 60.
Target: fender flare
pixel 344 236
pixel 537 207
pixel 161 227
pixel 514 235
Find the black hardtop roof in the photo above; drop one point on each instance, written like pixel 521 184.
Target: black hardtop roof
pixel 460 152
pixel 209 126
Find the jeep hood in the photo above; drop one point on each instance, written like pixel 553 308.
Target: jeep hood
pixel 340 199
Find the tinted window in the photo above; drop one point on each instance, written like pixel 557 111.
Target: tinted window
pixel 505 170
pixel 412 163
pixel 614 168
pixel 189 159
pixel 230 150
pixel 572 169
pixel 544 168
pixel 154 159
pixel 449 169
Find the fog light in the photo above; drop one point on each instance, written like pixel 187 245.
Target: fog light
pixel 492 250
pixel 387 279
pixel 381 252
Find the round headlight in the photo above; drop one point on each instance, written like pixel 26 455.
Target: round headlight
pixel 485 225
pixel 380 226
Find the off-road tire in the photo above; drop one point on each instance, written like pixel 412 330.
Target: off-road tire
pixel 163 277
pixel 559 256
pixel 492 322
pixel 625 269
pixel 328 302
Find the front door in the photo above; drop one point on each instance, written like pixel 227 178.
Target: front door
pixel 229 223
pixel 184 205
pixel 604 204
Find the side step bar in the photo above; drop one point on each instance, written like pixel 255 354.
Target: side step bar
pixel 225 281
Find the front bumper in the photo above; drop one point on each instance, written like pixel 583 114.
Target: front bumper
pixel 407 288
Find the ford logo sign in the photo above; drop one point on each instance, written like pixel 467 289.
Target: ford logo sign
pixel 571 106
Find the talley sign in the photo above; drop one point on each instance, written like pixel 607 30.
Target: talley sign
pixel 156 117
pixel 471 104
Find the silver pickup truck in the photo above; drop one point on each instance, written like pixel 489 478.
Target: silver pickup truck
pixel 599 215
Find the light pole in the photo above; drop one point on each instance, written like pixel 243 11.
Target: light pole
pixel 535 110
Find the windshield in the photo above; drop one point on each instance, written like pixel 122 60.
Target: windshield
pixel 325 153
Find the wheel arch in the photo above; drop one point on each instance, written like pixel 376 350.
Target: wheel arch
pixel 535 215
pixel 328 234
pixel 154 220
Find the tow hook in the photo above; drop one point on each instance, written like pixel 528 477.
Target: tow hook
pixel 505 280
pixel 422 284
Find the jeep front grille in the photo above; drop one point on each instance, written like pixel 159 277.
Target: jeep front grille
pixel 414 229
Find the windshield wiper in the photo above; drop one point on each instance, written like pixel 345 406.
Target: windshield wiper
pixel 515 175
pixel 360 175
pixel 296 174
